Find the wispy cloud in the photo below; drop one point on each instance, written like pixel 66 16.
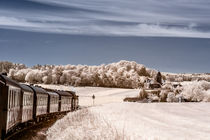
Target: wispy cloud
pixel 177 18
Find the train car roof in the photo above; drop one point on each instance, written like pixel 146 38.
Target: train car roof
pixel 63 93
pixel 26 88
pixel 51 91
pixel 71 93
pixel 38 89
pixel 9 81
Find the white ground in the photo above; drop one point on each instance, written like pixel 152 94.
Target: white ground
pixel 110 118
pixel 159 120
pixel 102 95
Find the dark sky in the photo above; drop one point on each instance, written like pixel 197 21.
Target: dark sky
pixel 170 36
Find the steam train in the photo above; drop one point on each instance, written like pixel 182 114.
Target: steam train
pixel 21 104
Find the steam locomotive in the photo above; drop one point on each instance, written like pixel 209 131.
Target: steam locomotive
pixel 21 104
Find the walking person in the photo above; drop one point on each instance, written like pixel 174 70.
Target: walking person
pixel 93 97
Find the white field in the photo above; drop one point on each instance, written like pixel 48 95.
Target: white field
pixel 111 118
pixel 102 95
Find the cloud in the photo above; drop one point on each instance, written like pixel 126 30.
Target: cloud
pixel 11 21
pixel 176 18
pixel 153 30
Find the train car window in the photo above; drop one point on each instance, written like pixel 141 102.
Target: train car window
pixel 15 99
pixel 26 100
pixel 38 100
pixel 18 99
pixel 42 100
pixel 12 100
pixel 29 100
pixel 23 100
pixel 9 99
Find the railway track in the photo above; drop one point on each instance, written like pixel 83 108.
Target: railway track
pixel 33 128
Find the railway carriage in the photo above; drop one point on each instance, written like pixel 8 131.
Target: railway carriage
pixel 10 104
pixel 53 101
pixel 74 101
pixel 27 103
pixel 65 101
pixel 40 102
